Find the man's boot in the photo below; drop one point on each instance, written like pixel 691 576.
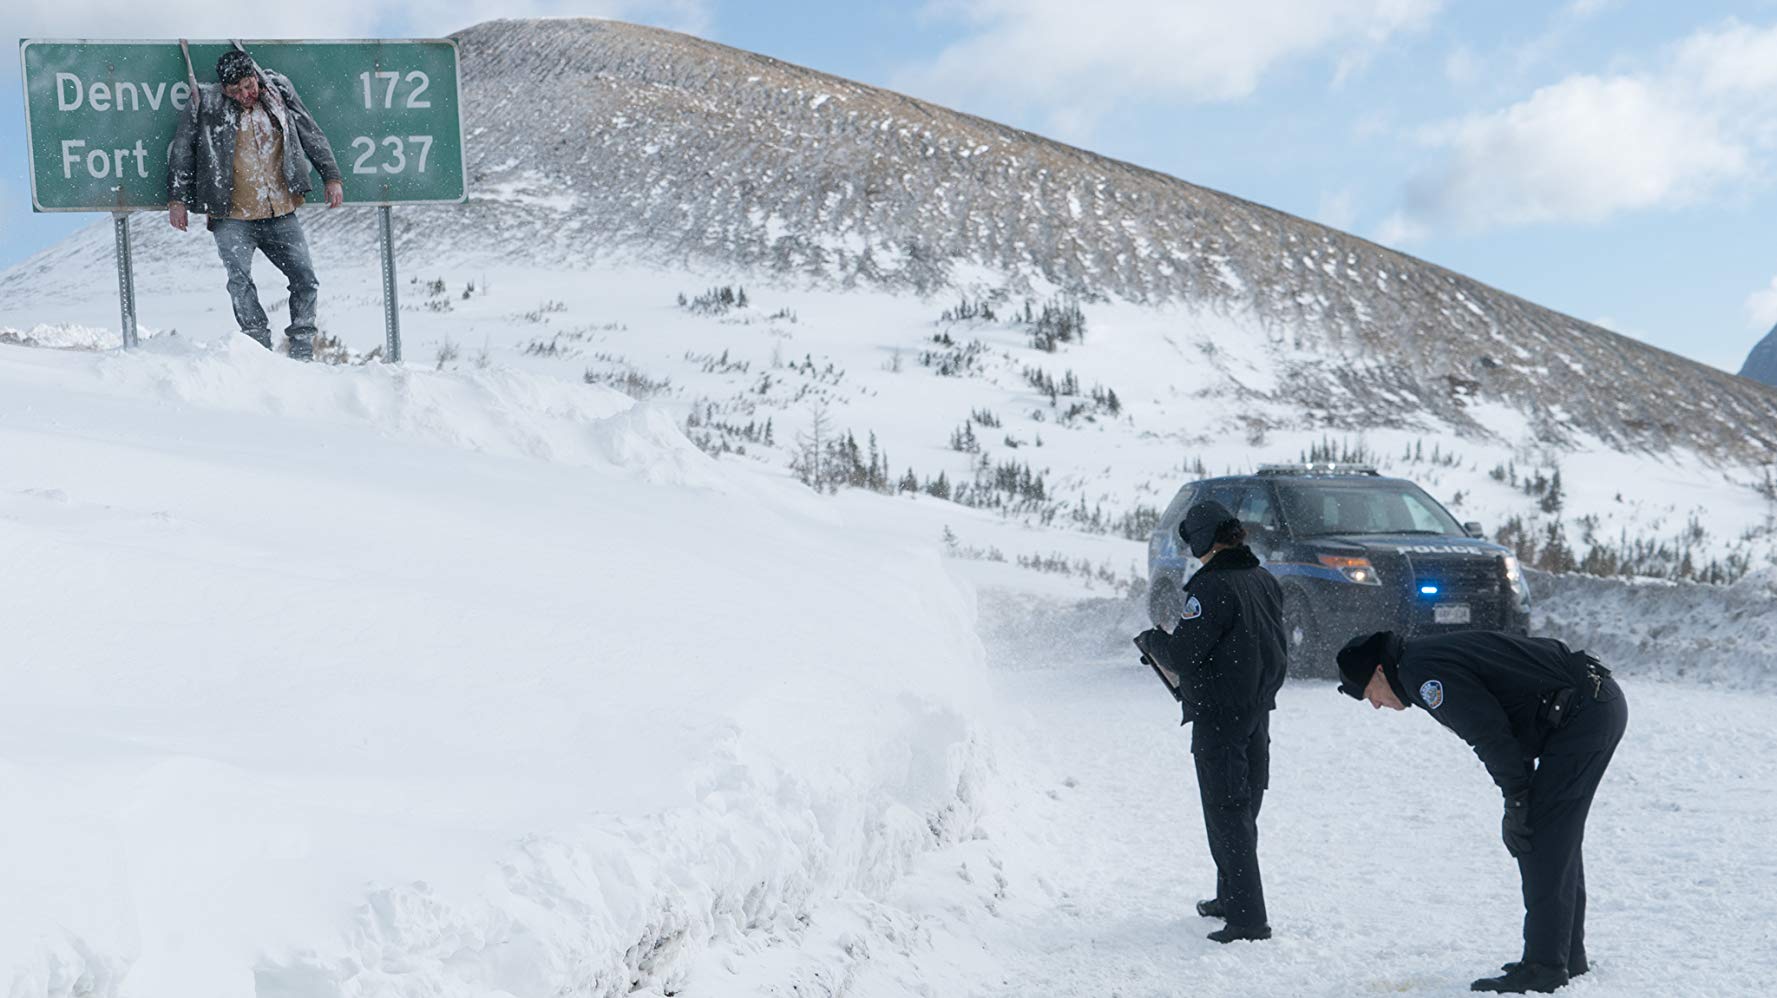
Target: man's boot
pixel 1240 933
pixel 302 346
pixel 1538 977
pixel 1211 908
pixel 259 336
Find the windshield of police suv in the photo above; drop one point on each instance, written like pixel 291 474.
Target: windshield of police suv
pixel 1367 507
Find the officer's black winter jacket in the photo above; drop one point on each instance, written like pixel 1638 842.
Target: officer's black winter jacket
pixel 1490 688
pixel 1229 647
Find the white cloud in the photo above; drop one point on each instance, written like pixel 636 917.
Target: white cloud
pixel 1581 9
pixel 1399 230
pixel 1761 307
pixel 1589 148
pixel 1730 59
pixel 1461 67
pixel 1074 60
pixel 1584 149
pixel 1338 209
pixel 1565 31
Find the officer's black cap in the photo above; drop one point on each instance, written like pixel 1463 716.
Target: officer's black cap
pixel 1198 528
pixel 1360 657
pixel 234 65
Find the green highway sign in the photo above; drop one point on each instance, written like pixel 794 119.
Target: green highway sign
pixel 100 116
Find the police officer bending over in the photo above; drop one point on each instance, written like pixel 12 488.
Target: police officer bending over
pixel 1224 661
pixel 1544 721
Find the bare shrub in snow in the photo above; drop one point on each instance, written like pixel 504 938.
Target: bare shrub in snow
pixel 629 381
pixel 950 359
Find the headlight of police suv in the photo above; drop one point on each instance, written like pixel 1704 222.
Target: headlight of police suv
pixel 1514 573
pixel 1358 570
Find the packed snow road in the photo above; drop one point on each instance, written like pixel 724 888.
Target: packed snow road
pixel 1379 844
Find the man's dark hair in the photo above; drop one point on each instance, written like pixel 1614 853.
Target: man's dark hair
pixel 1231 533
pixel 234 66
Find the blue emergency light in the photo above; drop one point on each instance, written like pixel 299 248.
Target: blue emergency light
pixel 1429 590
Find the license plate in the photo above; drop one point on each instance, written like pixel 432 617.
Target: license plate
pixel 1450 613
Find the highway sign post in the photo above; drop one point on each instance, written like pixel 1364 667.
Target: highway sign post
pixel 100 117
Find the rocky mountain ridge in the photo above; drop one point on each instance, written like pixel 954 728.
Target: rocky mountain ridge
pixel 1761 363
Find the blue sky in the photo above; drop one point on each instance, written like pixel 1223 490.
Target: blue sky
pixel 1613 159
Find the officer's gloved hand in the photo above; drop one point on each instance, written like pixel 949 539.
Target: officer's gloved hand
pixel 1515 828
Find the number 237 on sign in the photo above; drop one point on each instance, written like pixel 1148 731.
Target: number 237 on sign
pixel 396 151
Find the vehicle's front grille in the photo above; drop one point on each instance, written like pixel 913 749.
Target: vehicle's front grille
pixel 1458 575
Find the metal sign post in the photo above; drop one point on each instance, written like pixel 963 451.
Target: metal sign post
pixel 391 306
pixel 100 116
pixel 126 277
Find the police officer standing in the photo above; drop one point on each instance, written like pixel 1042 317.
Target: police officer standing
pixel 1544 721
pixel 1225 660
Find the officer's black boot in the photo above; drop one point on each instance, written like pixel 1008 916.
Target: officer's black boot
pixel 1576 965
pixel 1240 933
pixel 1211 908
pixel 1537 977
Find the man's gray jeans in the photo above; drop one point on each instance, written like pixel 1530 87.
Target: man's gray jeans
pixel 282 242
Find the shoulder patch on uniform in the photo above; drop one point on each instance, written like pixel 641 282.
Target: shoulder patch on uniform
pixel 1432 692
pixel 1193 609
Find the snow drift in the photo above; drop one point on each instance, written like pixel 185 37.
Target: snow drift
pixel 1688 631
pixel 350 681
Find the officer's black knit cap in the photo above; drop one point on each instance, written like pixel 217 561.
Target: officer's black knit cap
pixel 233 66
pixel 1360 657
pixel 1198 528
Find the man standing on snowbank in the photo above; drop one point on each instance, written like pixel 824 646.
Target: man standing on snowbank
pixel 1228 656
pixel 241 156
pixel 1545 721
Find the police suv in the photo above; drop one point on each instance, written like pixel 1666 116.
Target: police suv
pixel 1354 552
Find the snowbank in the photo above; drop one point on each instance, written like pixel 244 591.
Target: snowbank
pixel 1720 635
pixel 1678 631
pixel 62 336
pixel 325 682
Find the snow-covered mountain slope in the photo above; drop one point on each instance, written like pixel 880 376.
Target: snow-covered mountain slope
pixel 328 681
pixel 970 400
pixel 590 140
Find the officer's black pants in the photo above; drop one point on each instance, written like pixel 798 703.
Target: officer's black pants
pixel 1554 873
pixel 1232 773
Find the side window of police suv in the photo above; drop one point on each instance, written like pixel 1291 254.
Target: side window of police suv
pixel 1251 504
pixel 1258 512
